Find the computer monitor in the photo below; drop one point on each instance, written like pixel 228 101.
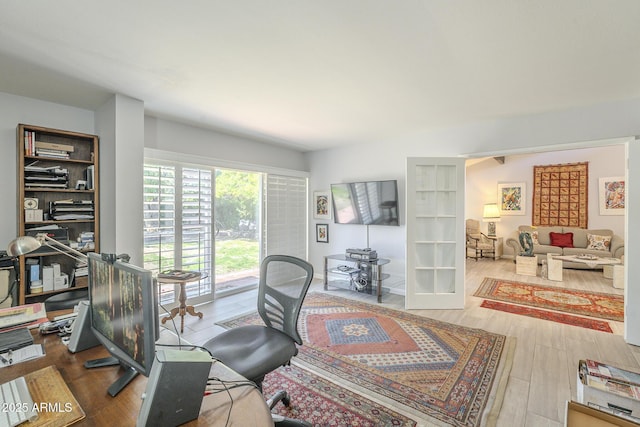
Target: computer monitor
pixel 124 316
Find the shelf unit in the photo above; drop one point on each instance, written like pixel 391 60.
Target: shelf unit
pixel 355 274
pixel 80 164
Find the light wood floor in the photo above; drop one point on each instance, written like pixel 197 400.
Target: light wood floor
pixel 543 376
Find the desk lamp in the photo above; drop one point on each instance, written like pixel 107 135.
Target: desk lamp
pixel 491 214
pixel 27 244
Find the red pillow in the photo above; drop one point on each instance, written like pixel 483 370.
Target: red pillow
pixel 563 240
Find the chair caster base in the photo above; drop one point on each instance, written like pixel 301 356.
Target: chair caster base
pixel 281 421
pixel 280 396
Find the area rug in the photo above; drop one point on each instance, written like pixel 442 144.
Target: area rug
pixel 432 371
pixel 323 403
pixel 567 319
pixel 592 304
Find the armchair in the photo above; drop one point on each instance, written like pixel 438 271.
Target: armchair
pixel 255 350
pixel 478 244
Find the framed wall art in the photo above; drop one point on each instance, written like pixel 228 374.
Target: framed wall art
pixel 322 233
pixel 322 204
pixel 561 195
pixel 511 198
pixel 612 195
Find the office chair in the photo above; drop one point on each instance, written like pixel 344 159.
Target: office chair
pixel 66 300
pixel 255 350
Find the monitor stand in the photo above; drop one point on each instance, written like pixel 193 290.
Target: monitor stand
pixel 120 383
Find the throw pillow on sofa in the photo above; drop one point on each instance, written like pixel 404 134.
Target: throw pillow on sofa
pixel 562 240
pixel 598 243
pixel 534 237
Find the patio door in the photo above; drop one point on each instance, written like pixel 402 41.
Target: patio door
pixel 435 233
pixel 237 230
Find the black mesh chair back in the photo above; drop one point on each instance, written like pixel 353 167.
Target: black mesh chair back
pixel 284 282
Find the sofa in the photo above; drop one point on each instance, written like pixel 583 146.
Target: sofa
pixel 568 241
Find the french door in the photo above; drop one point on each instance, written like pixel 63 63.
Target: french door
pixel 435 233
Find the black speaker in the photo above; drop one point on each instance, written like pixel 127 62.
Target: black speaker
pixel 175 388
pixel 82 337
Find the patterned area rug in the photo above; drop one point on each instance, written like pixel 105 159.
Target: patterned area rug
pixel 432 371
pixel 567 319
pixel 323 403
pixel 592 304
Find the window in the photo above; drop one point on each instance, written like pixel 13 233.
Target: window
pixel 221 222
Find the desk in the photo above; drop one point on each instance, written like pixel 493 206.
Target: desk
pixel 89 386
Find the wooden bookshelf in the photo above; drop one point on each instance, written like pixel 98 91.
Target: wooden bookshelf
pixel 50 165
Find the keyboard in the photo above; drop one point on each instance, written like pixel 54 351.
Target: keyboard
pixel 16 404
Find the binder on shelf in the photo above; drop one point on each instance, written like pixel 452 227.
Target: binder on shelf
pixel 72 209
pixel 45 177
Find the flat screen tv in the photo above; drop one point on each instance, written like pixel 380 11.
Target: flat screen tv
pixel 124 316
pixel 368 203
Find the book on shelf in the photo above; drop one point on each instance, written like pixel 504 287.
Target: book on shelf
pixel 29 142
pixel 52 154
pixel 33 167
pixel 90 177
pixel 54 146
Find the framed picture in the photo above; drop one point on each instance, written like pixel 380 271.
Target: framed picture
pixel 322 233
pixel 322 204
pixel 511 198
pixel 612 195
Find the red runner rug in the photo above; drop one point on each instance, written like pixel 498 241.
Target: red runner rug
pixel 323 403
pixel 592 304
pixel 567 319
pixel 434 372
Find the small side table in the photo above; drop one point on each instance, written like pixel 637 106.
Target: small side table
pixel 182 278
pixel 527 265
pixel 497 247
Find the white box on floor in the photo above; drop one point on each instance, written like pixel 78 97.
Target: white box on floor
pixel 554 268
pixel 527 265
pixel 599 398
pixel 616 273
pixel 579 415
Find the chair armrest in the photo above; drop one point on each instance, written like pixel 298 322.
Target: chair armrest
pixel 617 246
pixel 475 237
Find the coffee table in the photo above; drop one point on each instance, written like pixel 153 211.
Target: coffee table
pixel 592 262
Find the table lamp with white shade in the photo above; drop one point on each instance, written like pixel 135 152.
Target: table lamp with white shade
pixel 491 215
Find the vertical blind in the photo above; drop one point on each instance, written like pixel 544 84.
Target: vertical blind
pixel 285 230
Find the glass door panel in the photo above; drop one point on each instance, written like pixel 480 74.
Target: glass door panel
pixel 237 223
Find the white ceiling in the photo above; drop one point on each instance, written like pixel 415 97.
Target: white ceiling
pixel 316 74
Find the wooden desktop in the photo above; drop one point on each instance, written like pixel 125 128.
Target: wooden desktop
pixel 89 387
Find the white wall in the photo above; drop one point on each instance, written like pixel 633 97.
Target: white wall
pixel 176 137
pixel 15 110
pixel 120 124
pixel 484 176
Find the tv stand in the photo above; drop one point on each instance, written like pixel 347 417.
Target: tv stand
pixel 361 275
pixel 115 388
